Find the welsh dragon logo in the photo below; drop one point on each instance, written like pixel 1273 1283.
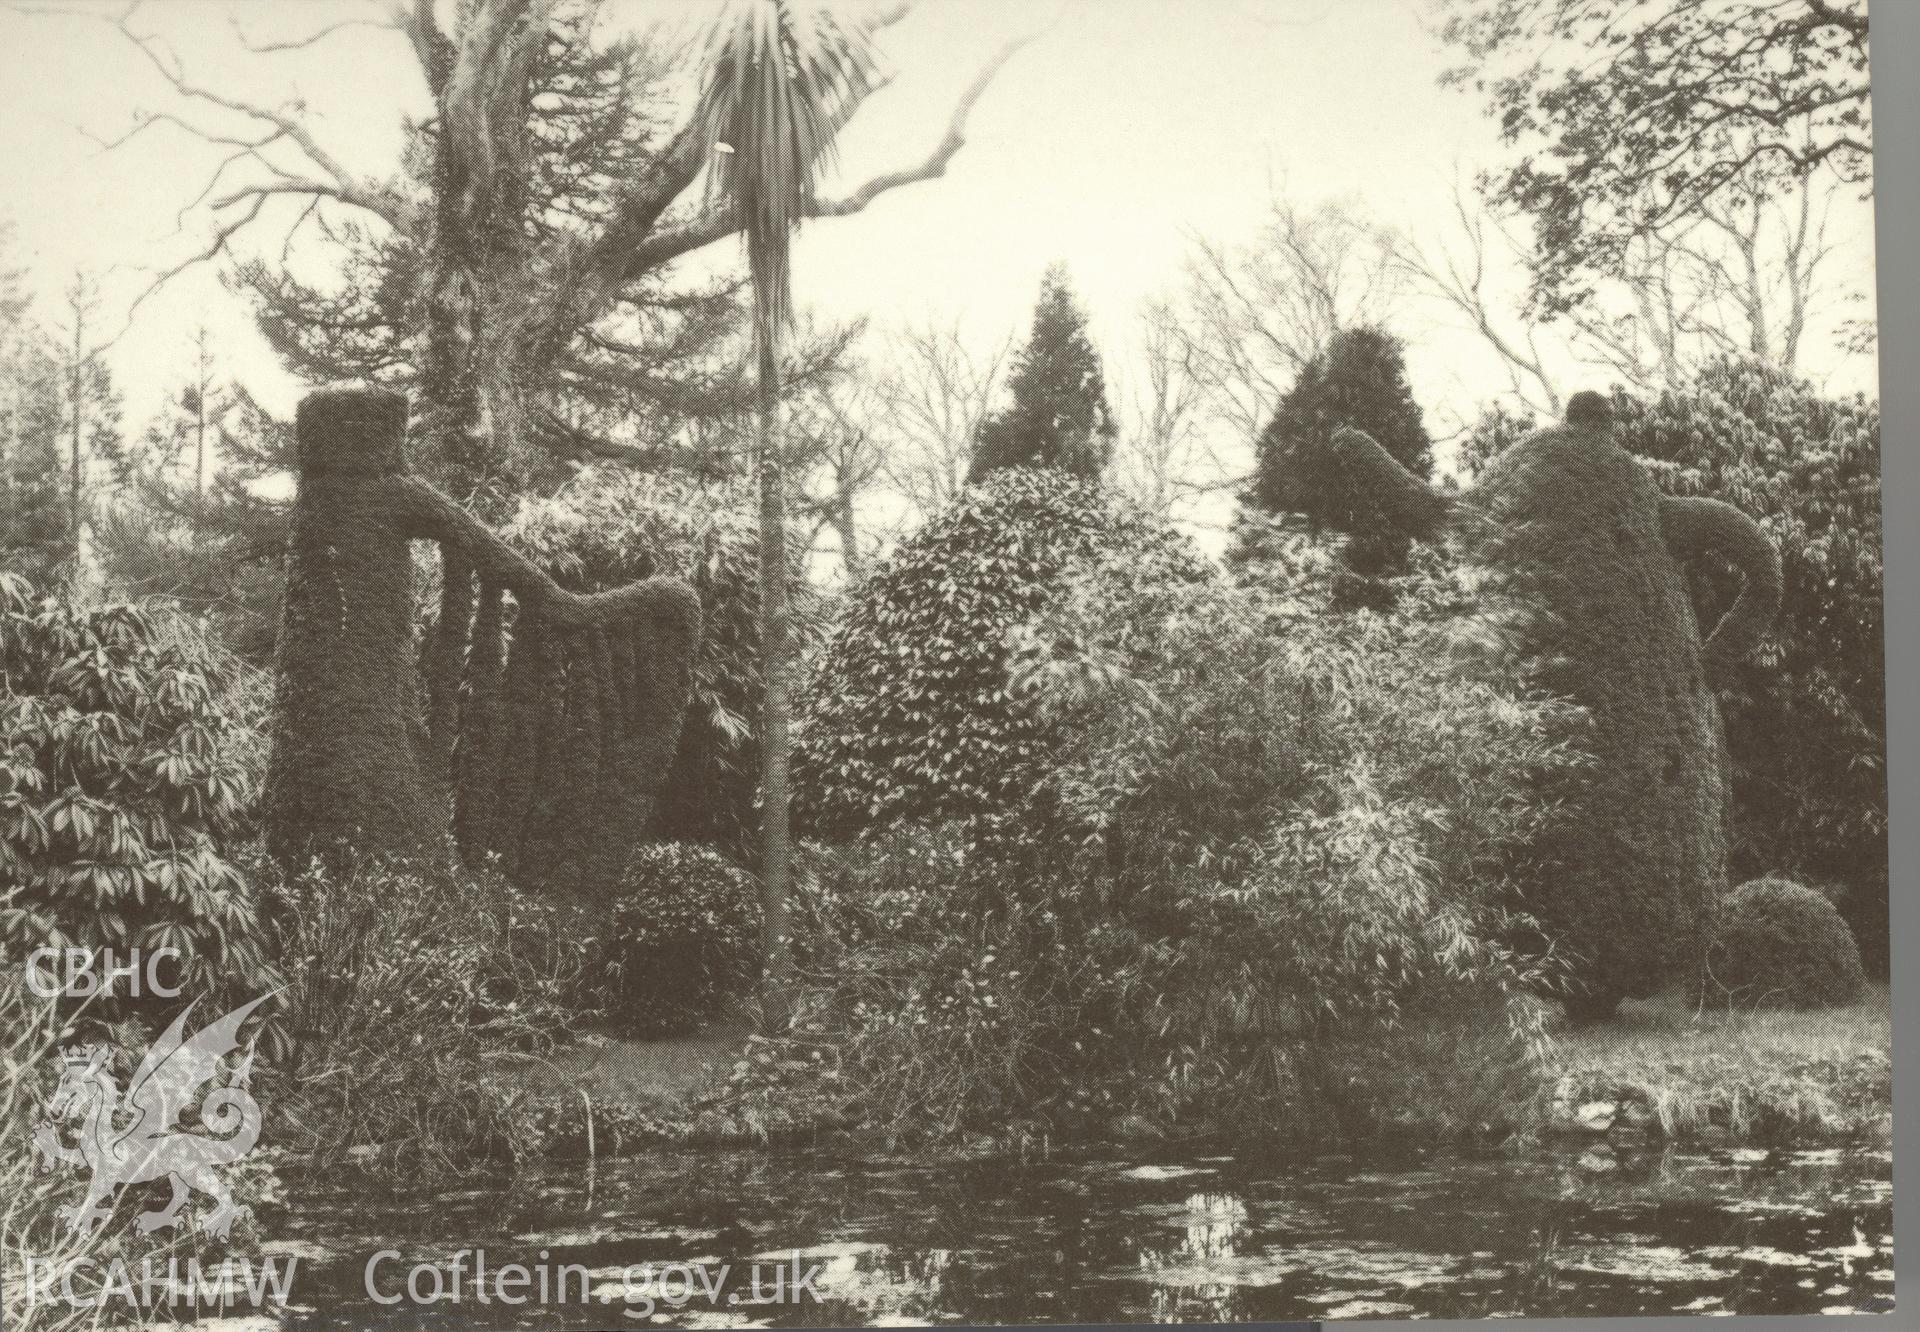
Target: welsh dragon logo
pixel 147 1144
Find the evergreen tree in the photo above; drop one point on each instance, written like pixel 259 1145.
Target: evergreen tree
pixel 182 444
pixel 33 514
pixel 1359 382
pixel 89 406
pixel 1059 416
pixel 218 548
pixel 34 539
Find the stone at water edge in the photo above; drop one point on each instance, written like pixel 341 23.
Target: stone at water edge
pixel 1597 1116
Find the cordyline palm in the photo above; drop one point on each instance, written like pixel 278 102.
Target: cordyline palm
pixel 781 81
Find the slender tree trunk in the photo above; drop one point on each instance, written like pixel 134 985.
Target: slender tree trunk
pixel 73 462
pixel 776 955
pixel 847 532
pixel 200 422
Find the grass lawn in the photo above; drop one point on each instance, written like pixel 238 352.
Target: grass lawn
pixel 1685 1072
pixel 1660 1068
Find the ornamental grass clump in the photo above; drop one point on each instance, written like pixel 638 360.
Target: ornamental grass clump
pixel 1781 945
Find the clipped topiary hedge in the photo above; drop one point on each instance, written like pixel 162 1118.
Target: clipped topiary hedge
pixel 909 714
pixel 1807 716
pixel 609 526
pixel 1781 945
pixel 683 939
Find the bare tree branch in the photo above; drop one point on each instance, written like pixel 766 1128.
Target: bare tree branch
pixel 301 43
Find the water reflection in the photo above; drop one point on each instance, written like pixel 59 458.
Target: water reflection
pixel 903 1242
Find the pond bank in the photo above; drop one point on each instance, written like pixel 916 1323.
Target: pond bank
pixel 1661 1070
pixel 1667 1069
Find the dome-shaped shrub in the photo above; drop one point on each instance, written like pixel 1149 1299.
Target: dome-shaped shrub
pixel 909 715
pixel 1779 945
pixel 683 938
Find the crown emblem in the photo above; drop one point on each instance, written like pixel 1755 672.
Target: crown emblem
pixel 79 1056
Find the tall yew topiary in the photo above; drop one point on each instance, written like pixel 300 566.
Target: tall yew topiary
pixel 1625 883
pixel 1059 416
pixel 1806 715
pixel 535 725
pixel 909 714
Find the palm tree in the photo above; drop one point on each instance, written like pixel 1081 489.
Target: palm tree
pixel 781 81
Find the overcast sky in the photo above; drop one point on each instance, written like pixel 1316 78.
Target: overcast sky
pixel 1128 127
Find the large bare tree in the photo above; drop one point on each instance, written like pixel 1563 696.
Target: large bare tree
pixel 1253 314
pixel 934 393
pixel 517 252
pixel 1746 274
pixel 1167 456
pixel 1632 121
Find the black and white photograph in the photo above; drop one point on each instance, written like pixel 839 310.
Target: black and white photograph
pixel 881 663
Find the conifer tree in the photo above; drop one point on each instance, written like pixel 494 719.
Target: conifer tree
pixel 35 535
pixel 182 444
pixel 1359 382
pixel 89 403
pixel 33 509
pixel 1059 416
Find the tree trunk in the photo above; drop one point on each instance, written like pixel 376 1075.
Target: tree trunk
pixel 847 532
pixel 776 955
pixel 73 466
pixel 200 431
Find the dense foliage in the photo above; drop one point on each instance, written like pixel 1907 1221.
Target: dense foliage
pixel 35 531
pixel 405 985
pixel 682 940
pixel 1806 716
pixel 1358 382
pixel 908 714
pixel 1278 830
pixel 612 526
pixel 1782 945
pixel 1059 416
pixel 36 1203
pixel 130 762
pixel 218 550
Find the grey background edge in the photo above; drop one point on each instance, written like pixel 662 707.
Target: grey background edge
pixel 1896 116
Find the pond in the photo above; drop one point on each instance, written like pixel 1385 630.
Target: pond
pixel 811 1238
